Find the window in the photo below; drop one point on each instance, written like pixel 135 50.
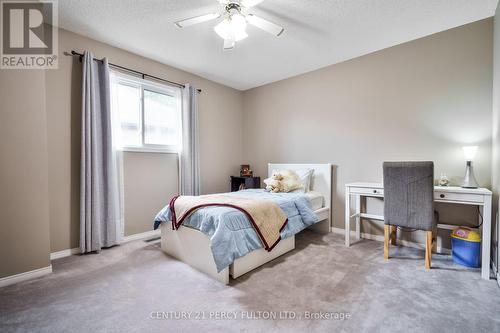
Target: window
pixel 148 113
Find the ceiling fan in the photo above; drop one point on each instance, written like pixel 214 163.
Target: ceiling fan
pixel 233 26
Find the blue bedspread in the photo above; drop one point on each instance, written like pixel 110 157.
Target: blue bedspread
pixel 231 233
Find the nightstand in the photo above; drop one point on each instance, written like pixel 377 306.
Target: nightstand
pixel 241 183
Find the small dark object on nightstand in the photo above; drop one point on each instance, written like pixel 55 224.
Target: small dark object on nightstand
pixel 245 171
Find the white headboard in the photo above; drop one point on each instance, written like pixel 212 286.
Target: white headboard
pixel 322 177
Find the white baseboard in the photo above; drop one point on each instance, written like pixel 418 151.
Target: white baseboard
pixel 8 280
pixel 125 239
pixel 142 235
pixel 380 238
pixel 64 253
pixel 340 231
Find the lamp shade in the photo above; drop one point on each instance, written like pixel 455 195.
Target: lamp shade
pixel 232 28
pixel 469 152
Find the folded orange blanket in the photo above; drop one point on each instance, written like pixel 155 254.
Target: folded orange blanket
pixel 266 216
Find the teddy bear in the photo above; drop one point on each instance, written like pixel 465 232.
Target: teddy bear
pixel 283 181
pixel 274 184
pixel 290 181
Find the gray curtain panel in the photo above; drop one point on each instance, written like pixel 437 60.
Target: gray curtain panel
pixel 189 159
pixel 100 218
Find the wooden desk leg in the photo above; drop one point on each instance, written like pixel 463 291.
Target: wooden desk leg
pixel 394 231
pixel 486 238
pixel 347 226
pixel 358 218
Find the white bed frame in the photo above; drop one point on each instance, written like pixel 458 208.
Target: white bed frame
pixel 193 247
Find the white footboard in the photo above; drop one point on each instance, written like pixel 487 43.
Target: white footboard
pixel 192 247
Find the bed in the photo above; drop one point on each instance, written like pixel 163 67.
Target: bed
pixel 193 247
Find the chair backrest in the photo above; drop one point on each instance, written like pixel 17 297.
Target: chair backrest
pixel 409 194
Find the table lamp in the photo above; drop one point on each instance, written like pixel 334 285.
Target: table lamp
pixel 469 179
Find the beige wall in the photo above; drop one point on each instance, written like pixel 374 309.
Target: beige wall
pixel 24 209
pixel 150 179
pixel 421 100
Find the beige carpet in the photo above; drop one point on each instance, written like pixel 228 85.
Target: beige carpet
pixel 137 288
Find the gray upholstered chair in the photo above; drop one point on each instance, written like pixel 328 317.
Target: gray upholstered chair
pixel 409 202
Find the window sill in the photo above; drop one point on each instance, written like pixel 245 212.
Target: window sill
pixel 149 150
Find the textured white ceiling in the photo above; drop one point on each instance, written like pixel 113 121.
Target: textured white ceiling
pixel 318 32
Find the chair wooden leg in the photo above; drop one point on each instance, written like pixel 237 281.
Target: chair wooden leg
pixel 386 241
pixel 394 231
pixel 434 241
pixel 428 250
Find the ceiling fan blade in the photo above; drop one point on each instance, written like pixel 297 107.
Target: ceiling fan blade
pixel 197 19
pixel 265 25
pixel 250 3
pixel 229 43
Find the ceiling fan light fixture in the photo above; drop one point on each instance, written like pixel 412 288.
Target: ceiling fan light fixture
pixel 232 28
pixel 238 22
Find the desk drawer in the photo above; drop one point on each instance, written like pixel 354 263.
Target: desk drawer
pixel 467 197
pixel 367 191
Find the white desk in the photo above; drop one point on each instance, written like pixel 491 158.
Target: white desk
pixel 463 196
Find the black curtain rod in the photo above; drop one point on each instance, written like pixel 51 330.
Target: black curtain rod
pixel 143 75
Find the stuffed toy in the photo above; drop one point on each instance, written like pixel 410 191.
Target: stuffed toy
pixel 274 184
pixel 290 181
pixel 283 181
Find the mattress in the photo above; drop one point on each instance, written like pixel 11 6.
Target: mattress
pixel 316 199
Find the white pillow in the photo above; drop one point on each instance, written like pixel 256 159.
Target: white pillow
pixel 305 178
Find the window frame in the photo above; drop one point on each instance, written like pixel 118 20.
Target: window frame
pixel 155 87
